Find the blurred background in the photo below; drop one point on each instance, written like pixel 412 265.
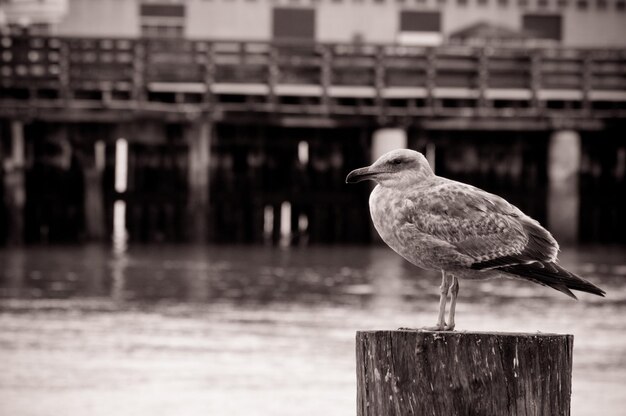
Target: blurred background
pixel 175 232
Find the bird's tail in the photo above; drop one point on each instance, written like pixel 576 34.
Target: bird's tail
pixel 552 275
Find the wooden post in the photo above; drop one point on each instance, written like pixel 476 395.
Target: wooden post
pixel 410 372
pixel 209 75
pixel 198 137
pixel 93 169
pixel 483 78
pixel 587 81
pixel 536 80
pixel 139 67
pixel 379 81
pixel 326 76
pixel 273 75
pixel 14 185
pixel 431 79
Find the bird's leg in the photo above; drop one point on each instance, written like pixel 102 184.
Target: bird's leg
pixel 454 291
pixel 445 286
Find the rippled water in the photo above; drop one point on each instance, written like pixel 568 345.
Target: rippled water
pixel 189 330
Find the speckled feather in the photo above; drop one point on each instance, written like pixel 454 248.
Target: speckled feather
pixel 440 224
pixel 464 225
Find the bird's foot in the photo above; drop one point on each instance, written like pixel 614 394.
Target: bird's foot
pixel 448 327
pixel 423 328
pixel 438 327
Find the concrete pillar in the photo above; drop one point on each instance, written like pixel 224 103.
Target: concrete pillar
pixel 388 139
pixel 93 170
pixel 564 156
pixel 383 141
pixel 199 137
pixel 14 185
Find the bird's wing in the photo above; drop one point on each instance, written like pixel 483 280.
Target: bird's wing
pixel 478 225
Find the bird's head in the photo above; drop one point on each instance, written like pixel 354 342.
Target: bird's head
pixel 397 168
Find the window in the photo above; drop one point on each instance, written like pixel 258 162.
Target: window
pixel 294 23
pixel 543 26
pixel 162 20
pixel 417 27
pixel 162 10
pixel 414 21
pixel 620 5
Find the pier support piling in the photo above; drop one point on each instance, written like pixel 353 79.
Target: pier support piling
pixel 198 137
pixel 410 372
pixel 564 156
pixel 383 141
pixel 387 139
pixel 93 170
pixel 14 185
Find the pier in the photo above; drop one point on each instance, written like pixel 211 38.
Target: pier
pixel 66 79
pixel 247 141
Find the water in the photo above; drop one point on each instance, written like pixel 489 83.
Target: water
pixel 233 331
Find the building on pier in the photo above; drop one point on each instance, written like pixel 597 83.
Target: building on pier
pixel 239 119
pixel 576 23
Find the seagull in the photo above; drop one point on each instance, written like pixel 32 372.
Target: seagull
pixel 466 233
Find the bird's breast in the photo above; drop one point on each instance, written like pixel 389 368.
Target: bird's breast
pixel 386 208
pixel 382 212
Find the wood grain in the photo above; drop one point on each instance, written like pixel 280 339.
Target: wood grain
pixel 408 372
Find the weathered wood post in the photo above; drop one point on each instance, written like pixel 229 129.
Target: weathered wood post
pixel 15 184
pixel 199 137
pixel 93 169
pixel 410 372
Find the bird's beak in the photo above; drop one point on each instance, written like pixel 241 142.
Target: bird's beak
pixel 360 174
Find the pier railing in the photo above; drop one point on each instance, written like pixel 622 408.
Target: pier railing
pixel 181 76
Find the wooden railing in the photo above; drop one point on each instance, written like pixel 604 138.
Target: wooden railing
pixel 320 78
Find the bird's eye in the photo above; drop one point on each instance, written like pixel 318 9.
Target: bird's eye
pixel 395 161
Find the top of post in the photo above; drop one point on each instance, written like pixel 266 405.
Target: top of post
pixel 459 333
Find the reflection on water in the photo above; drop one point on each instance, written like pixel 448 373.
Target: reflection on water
pixel 251 330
